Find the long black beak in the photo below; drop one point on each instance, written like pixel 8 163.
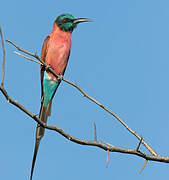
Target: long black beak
pixel 79 20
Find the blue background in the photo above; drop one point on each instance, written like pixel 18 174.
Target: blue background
pixel 121 59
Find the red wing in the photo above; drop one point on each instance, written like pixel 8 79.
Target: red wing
pixel 43 57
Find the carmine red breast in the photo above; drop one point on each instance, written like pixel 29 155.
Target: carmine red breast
pixel 58 50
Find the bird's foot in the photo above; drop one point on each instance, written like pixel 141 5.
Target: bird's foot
pixel 60 77
pixel 47 68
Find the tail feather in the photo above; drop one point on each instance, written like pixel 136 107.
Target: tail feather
pixel 44 113
pixel 49 109
pixel 34 157
pixel 43 117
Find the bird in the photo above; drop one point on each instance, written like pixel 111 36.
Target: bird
pixel 55 53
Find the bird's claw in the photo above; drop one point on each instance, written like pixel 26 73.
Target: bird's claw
pixel 60 77
pixel 47 67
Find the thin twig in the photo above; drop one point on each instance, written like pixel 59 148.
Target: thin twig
pixel 27 58
pixel 107 160
pixel 95 135
pixel 3 63
pixel 143 166
pixel 139 144
pixel 20 49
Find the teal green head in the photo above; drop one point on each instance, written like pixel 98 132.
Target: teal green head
pixel 68 23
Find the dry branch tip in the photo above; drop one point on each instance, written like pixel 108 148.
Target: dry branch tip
pixel 107 160
pixel 95 135
pixel 143 166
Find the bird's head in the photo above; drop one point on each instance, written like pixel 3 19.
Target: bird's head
pixel 68 23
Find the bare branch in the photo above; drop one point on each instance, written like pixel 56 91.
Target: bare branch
pixel 89 97
pixel 27 58
pixel 104 146
pixel 3 63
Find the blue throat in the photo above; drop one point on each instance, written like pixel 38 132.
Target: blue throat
pixel 49 88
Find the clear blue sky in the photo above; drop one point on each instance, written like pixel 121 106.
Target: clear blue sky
pixel 121 59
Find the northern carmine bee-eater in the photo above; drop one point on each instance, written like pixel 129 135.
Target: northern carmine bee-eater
pixel 55 53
